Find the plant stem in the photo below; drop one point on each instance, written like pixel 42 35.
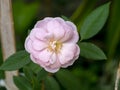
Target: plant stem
pixel 43 87
pixel 117 78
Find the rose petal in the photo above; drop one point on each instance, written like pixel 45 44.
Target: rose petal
pixel 42 23
pixel 48 19
pixel 38 33
pixel 75 36
pixel 28 45
pixel 51 70
pixel 56 63
pixel 45 55
pixel 32 33
pixel 76 55
pixel 67 53
pixel 68 34
pixel 53 58
pixel 60 20
pixel 56 29
pixel 49 36
pixel 67 64
pixel 71 25
pixel 39 45
pixel 43 35
pixel 35 60
pixel 77 52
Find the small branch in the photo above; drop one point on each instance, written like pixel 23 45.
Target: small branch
pixel 7 39
pixel 117 78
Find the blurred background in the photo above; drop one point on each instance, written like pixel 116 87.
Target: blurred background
pixel 87 74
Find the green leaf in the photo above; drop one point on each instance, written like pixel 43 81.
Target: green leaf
pixel 41 74
pixel 22 83
pixel 31 76
pixel 28 73
pixel 94 22
pixel 51 83
pixel 16 61
pixel 91 51
pixel 34 67
pixel 68 80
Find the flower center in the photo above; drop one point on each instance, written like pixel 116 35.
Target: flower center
pixel 54 46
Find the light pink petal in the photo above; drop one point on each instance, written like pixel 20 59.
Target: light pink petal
pixel 40 24
pixel 48 19
pixel 42 35
pixel 68 34
pixel 75 36
pixel 45 55
pixel 43 23
pixel 35 60
pixel 39 62
pixel 77 53
pixel 56 64
pixel 60 20
pixel 71 25
pixel 45 37
pixel 32 33
pixel 38 33
pixel 56 29
pixel 67 53
pixel 48 36
pixel 39 45
pixel 28 45
pixel 53 58
pixel 68 64
pixel 51 70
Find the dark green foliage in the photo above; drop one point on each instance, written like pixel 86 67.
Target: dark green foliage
pixel 91 51
pixel 16 61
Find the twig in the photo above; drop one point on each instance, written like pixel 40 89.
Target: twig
pixel 117 78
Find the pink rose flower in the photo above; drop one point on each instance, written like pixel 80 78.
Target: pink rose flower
pixel 52 44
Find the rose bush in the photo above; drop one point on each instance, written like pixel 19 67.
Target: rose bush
pixel 52 44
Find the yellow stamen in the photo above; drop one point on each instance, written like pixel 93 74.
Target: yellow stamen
pixel 54 46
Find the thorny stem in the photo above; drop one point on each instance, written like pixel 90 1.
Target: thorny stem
pixel 117 78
